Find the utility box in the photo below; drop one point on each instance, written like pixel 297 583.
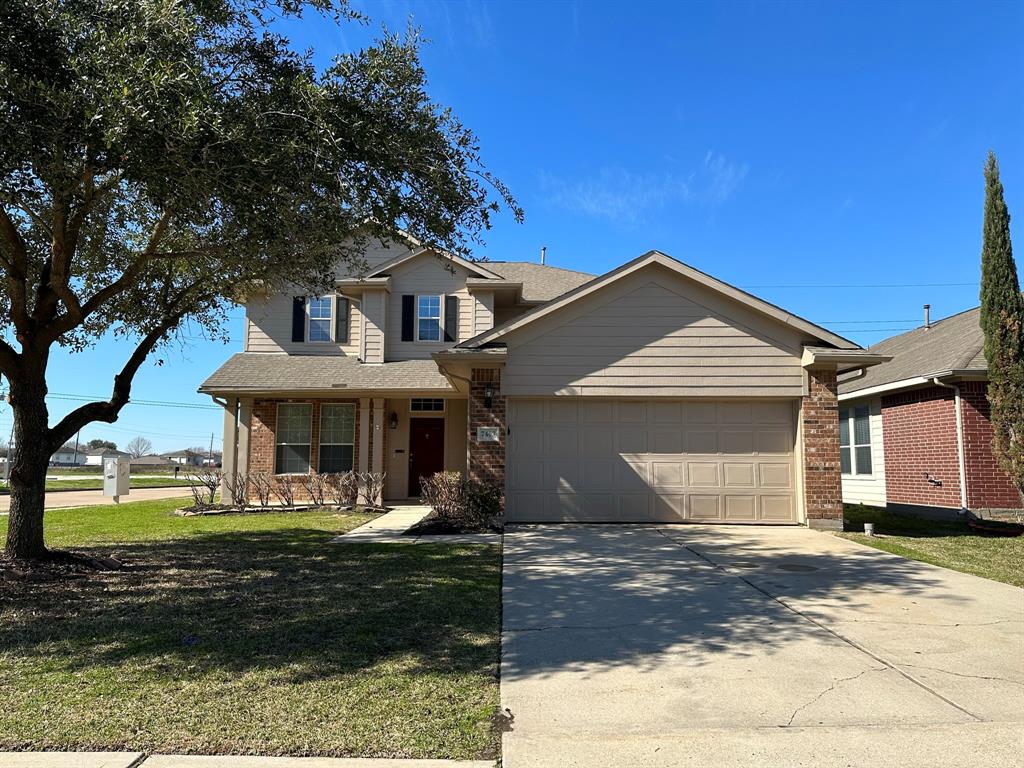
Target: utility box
pixel 116 476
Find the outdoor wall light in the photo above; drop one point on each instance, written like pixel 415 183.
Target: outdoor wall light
pixel 488 396
pixel 393 420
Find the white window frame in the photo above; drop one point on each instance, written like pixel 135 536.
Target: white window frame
pixel 427 410
pixel 440 318
pixel 331 307
pixel 853 445
pixel 277 440
pixel 321 443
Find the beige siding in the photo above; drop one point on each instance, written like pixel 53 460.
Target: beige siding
pixel 375 304
pixel 504 314
pixel 868 489
pixel 655 334
pixel 483 314
pixel 268 324
pixel 374 255
pixel 425 275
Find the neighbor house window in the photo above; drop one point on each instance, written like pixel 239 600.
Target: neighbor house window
pixel 337 437
pixel 855 440
pixel 426 405
pixel 294 421
pixel 428 318
pixel 320 316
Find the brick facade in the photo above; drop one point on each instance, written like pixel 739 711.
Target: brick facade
pixel 919 429
pixel 486 460
pixel 263 429
pixel 819 425
pixel 920 437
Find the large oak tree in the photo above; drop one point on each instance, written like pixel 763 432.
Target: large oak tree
pixel 159 157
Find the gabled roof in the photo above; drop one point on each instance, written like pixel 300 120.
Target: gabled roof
pixel 955 343
pixel 659 258
pixel 473 266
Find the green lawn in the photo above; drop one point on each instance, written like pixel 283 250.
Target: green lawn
pixel 249 634
pixel 96 483
pixel 949 544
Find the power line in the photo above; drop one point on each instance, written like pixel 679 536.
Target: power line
pixel 875 285
pixel 153 403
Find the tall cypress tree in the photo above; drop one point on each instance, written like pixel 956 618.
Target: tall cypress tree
pixel 1002 320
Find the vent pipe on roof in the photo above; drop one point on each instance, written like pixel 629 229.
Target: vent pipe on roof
pixel 927 316
pixel 543 253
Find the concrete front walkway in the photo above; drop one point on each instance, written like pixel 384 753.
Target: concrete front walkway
pixel 740 646
pixel 390 528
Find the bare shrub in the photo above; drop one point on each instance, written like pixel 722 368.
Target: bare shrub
pixel 342 488
pixel 284 489
pixel 261 484
pixel 316 488
pixel 468 504
pixel 373 487
pixel 207 480
pixel 237 484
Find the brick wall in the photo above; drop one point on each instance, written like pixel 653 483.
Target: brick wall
pixel 819 416
pixel 486 460
pixel 919 429
pixel 988 487
pixel 262 435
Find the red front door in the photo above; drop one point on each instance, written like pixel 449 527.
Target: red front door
pixel 426 450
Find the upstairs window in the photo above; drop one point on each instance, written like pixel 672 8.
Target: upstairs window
pixel 855 440
pixel 294 421
pixel 320 318
pixel 428 318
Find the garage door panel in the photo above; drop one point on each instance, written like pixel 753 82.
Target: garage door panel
pixel 738 474
pixel 740 509
pixel 575 459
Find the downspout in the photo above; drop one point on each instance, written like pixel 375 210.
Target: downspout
pixel 959 441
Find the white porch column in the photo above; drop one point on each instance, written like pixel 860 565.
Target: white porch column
pixel 364 434
pixel 378 438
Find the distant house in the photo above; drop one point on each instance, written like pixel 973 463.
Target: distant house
pixel 94 457
pixel 186 458
pixel 68 455
pixel 150 460
pixel 915 434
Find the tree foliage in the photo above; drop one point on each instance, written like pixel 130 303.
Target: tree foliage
pixel 1002 320
pixel 97 443
pixel 159 158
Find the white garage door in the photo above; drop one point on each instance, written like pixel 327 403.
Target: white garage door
pixel 579 459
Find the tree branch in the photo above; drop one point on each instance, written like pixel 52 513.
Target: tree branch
pixel 17 269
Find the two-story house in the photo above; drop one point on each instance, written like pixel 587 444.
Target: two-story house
pixel 653 392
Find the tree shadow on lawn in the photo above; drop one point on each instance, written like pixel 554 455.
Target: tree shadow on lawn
pixel 283 600
pixel 912 526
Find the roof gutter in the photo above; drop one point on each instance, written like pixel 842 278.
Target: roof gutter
pixel 915 381
pixel 959 440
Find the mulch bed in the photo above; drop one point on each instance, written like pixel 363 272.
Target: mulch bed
pixel 432 525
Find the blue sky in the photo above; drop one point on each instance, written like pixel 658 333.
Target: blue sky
pixel 769 144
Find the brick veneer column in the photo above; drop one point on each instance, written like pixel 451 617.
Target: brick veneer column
pixel 486 460
pixel 819 423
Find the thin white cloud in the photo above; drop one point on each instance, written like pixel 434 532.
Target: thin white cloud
pixel 625 196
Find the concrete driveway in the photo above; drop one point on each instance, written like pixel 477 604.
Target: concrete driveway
pixel 742 646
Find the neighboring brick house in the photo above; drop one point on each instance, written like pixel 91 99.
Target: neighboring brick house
pixel 916 433
pixel 653 392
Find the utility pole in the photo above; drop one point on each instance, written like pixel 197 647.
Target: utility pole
pixel 77 435
pixel 210 462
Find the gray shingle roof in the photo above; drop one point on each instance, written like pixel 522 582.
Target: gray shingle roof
pixel 541 282
pixel 263 371
pixel 953 343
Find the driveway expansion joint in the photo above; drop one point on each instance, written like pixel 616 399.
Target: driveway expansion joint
pixel 894 667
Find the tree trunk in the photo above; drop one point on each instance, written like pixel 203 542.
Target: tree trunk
pixel 29 460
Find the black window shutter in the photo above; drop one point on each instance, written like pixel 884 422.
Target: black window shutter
pixel 451 318
pixel 299 318
pixel 341 320
pixel 408 317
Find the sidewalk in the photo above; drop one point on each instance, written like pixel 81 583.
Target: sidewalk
pixel 137 760
pixel 389 527
pixel 65 499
